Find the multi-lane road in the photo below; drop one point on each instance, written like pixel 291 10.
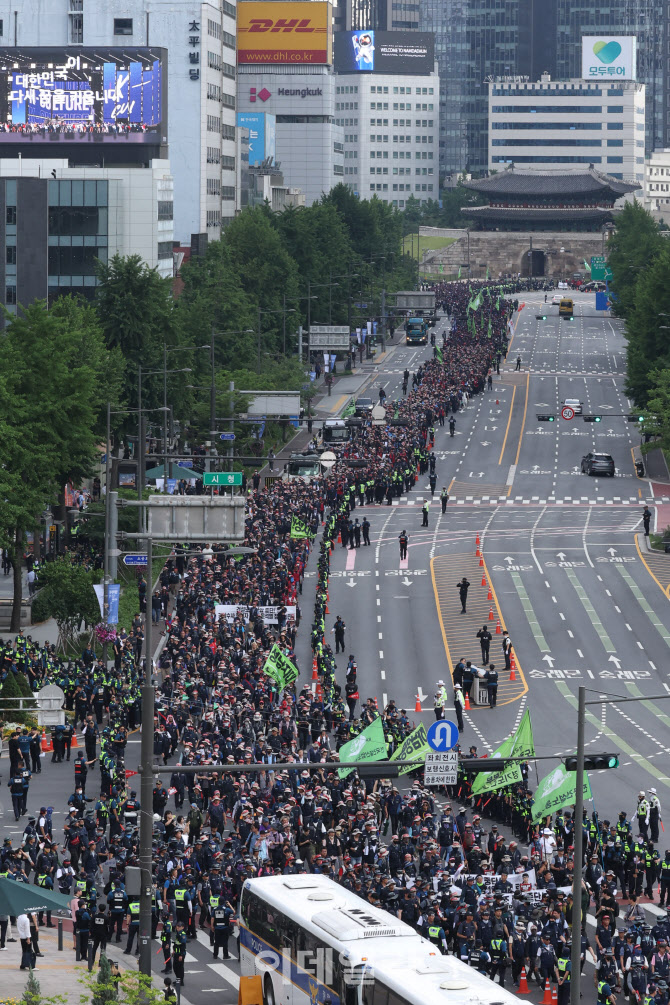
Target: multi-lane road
pixel 562 555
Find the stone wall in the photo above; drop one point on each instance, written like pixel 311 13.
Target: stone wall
pixel 507 252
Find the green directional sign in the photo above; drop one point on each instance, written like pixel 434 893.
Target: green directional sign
pixel 221 478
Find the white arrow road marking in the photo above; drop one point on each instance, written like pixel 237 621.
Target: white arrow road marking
pixel 351 582
pixel 549 659
pixel 406 581
pixel 615 660
pixel 560 556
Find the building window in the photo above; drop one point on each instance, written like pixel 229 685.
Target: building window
pixel 10 217
pixel 123 25
pixel 213 187
pixel 164 250
pixel 227 70
pixel 10 294
pixel 229 9
pixel 11 254
pixel 2 28
pixel 228 40
pixel 213 28
pixel 213 217
pixel 227 163
pixel 228 192
pixel 228 132
pixel 165 210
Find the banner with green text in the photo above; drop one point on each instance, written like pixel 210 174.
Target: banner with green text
pixel 414 747
pixel 300 528
pixel 279 668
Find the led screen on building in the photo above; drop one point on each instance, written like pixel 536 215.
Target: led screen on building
pixel 83 95
pixel 384 52
pixel 280 32
pixel 609 57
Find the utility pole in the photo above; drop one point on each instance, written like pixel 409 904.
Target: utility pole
pixel 578 841
pixel 146 780
pixel 105 575
pixel 166 470
pixel 212 387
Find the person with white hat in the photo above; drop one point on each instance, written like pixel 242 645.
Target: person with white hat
pixel 654 814
pixel 458 706
pixel 438 704
pixel 642 813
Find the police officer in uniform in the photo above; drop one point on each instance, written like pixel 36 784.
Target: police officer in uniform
pixel 166 945
pixel 179 952
pixel 434 933
pixel 605 994
pixel 133 925
pixel 220 924
pixel 499 959
pixel 664 873
pixel 99 934
pixel 564 974
pixel 484 637
pixel 479 958
pixel 118 906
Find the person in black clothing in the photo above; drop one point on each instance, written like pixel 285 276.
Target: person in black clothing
pixel 484 637
pixel 365 527
pixel 99 934
pixel 338 629
pixel 646 520
pixel 403 539
pixel 463 588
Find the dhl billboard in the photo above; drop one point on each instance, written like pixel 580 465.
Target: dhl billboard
pixel 279 32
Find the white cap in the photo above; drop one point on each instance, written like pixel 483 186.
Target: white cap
pixel 440 682
pixel 546 831
pixel 653 790
pixel 458 686
pixel 641 795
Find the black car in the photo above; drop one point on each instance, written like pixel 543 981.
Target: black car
pixel 598 464
pixel 363 407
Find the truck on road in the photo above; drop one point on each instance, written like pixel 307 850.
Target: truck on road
pixel 416 330
pixel 417 304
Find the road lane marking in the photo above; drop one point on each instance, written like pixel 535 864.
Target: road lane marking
pixel 351 559
pixel 509 419
pixel 523 421
pixel 228 975
pixel 591 611
pixel 533 623
pixel 639 760
pixel 634 690
pixel 642 601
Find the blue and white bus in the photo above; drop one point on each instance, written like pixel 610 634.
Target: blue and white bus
pixel 312 941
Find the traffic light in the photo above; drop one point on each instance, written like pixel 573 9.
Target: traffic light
pixel 473 765
pixel 540 317
pixel 593 762
pixel 545 417
pixel 635 418
pixel 592 418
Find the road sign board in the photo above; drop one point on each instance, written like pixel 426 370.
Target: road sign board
pixel 333 337
pixel 567 412
pixel 328 458
pixel 221 478
pixel 227 436
pixel 442 735
pixel 441 768
pixel 134 559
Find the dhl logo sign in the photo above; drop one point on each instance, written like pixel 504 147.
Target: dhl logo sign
pixel 305 29
pixel 265 24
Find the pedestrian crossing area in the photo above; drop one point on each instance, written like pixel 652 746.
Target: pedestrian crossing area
pixel 549 500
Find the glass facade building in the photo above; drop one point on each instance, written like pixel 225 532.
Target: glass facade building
pixel 78 228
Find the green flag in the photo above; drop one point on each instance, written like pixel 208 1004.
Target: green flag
pixel 369 745
pixel 558 789
pixel 350 409
pixel 279 668
pixel 487 272
pixel 438 353
pixel 441 267
pixel 414 747
pixel 459 272
pixel 490 331
pixel 300 528
pixel 587 266
pixel 519 744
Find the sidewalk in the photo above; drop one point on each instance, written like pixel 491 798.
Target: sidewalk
pixel 58 971
pixel 347 384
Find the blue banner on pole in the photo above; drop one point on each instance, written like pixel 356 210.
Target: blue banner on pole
pixel 113 594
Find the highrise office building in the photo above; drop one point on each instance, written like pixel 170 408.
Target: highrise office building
pixel 648 21
pixel 199 78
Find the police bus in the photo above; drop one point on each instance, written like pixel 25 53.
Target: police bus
pixel 312 941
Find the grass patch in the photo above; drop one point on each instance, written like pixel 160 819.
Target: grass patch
pixel 422 244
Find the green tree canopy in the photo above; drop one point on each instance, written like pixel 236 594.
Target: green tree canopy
pixel 631 249
pixel 647 332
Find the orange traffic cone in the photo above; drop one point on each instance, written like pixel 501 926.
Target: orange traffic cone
pixel 490 614
pixel 512 673
pixel 467 702
pixel 523 983
pixel 74 740
pixel 315 675
pixel 490 595
pixel 483 580
pixel 547 999
pixel 327 611
pixel 481 562
pixel 554 993
pixel 477 552
pixel 46 745
pixel 477 542
pixel 339 537
pixel 498 629
pixel 417 706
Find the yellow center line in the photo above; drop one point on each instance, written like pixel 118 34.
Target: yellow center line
pixel 450 484
pixel 644 562
pixel 511 407
pixel 523 421
pixel 439 614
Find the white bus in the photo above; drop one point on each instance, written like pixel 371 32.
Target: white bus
pixel 312 941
